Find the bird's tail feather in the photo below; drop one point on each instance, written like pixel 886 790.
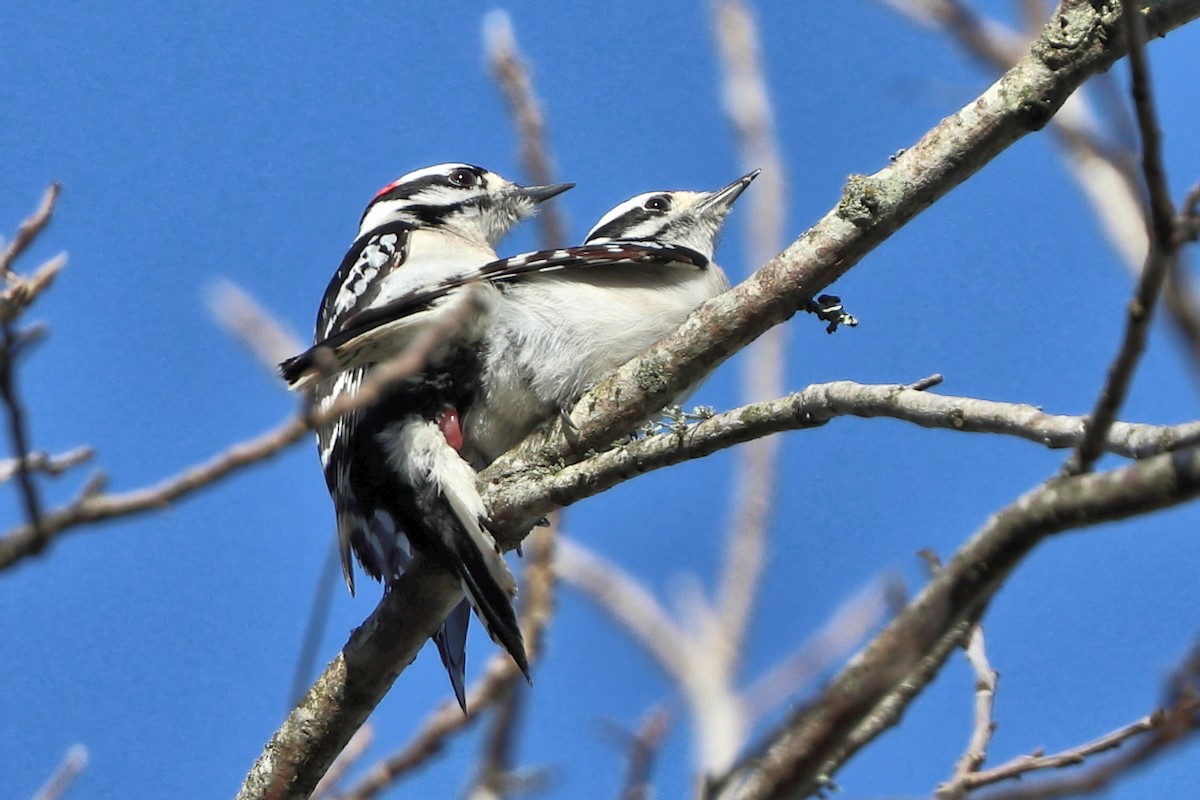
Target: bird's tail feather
pixel 453 512
pixel 451 641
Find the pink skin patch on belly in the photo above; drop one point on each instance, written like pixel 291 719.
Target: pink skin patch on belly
pixel 451 427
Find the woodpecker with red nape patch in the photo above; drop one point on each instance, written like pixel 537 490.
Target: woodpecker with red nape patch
pixel 392 468
pixel 557 321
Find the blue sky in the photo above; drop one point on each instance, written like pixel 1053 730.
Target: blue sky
pixel 212 142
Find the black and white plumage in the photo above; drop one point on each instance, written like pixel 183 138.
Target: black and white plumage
pixel 555 334
pixel 558 319
pixel 396 482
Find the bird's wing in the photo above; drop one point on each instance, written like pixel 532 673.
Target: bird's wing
pixel 358 332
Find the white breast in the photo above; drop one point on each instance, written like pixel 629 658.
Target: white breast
pixel 555 336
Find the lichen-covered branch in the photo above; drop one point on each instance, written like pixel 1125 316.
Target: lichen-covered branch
pixel 1080 41
pixel 813 407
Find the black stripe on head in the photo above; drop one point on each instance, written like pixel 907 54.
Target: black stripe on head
pixel 407 189
pixel 626 222
pixel 435 216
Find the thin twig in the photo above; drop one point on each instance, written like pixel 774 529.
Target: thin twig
pixel 981 732
pixel 629 603
pixel 495 776
pixel 748 106
pixel 29 229
pixel 247 321
pixel 314 628
pixel 19 433
pixel 72 766
pixel 47 463
pixel 1158 260
pixel 16 297
pixel 1158 731
pixel 800 753
pixel 846 629
pixel 94 506
pixel 512 74
pixel 643 748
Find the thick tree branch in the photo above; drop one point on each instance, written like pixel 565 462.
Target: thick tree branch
pixel 813 407
pixel 1078 42
pixel 797 756
pixel 536 610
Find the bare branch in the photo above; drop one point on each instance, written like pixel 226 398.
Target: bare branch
pixel 643 748
pixel 798 755
pixel 18 294
pixel 72 766
pixel 46 463
pixel 512 74
pixel 1188 224
pixel 1158 262
pixel 244 319
pixel 1157 732
pixel 318 617
pixel 1079 42
pixel 748 106
pixel 627 602
pixel 535 614
pixel 813 407
pixel 842 632
pixel 21 291
pixel 495 776
pixel 29 229
pixel 93 506
pixel 981 733
pixel 1107 174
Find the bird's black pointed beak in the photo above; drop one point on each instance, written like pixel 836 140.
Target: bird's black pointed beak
pixel 540 194
pixel 722 199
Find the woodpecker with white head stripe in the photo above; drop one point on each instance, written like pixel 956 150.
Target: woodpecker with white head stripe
pixel 562 318
pixel 396 481
pixel 554 334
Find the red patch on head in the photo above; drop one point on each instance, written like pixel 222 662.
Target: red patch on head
pixel 384 190
pixel 451 427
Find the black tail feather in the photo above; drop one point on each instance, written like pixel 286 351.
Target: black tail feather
pixel 492 604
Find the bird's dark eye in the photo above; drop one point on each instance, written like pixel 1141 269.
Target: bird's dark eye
pixel 657 203
pixel 464 178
